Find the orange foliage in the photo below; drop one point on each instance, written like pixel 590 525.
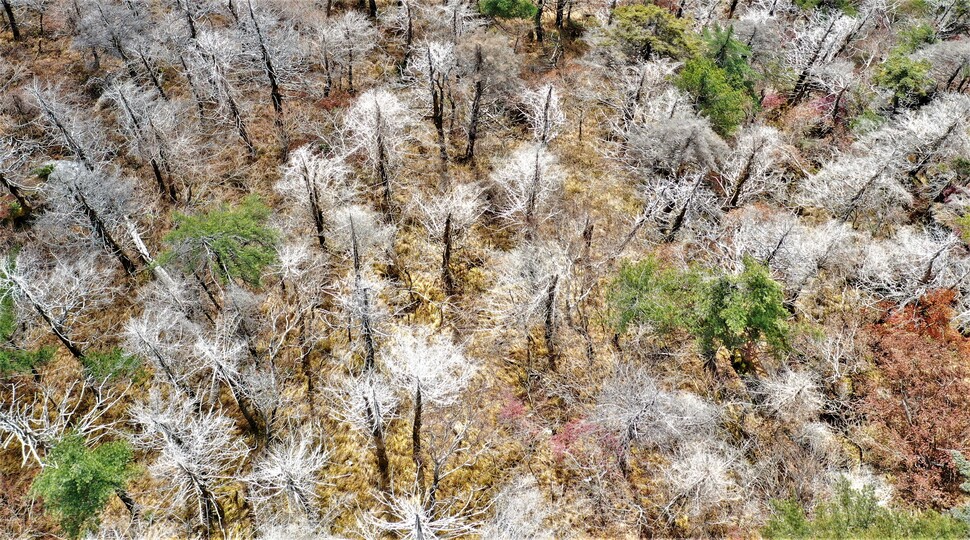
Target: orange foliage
pixel 919 399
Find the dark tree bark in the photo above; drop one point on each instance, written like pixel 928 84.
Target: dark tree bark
pixel 8 9
pixel 552 352
pixel 537 31
pixel 476 108
pixel 25 206
pixel 436 88
pixel 276 95
pixel 446 276
pixel 416 440
pixel 365 322
pixel 380 447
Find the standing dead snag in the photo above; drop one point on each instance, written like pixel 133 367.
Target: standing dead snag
pixel 154 132
pixel 448 217
pixel 368 403
pixel 279 53
pixel 8 10
pixel 343 43
pixel 376 122
pixel 194 452
pixel 284 479
pixel 531 181
pixel 214 61
pixel 432 370
pixel 545 113
pixel 527 294
pixel 434 67
pixel 13 156
pixel 319 185
pixel 475 113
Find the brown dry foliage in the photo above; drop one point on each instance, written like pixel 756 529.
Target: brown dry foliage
pixel 918 398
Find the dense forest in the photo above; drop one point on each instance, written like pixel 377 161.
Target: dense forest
pixel 505 269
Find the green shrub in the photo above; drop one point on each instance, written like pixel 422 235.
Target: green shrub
pixel 77 481
pixel 742 310
pixel 662 297
pixel 845 6
pixel 915 37
pixel 114 363
pixel 721 81
pixel 737 312
pixel 507 9
pixel 857 514
pixel 907 79
pixel 866 121
pixel 962 512
pixel 44 171
pixel 646 31
pixel 229 242
pixel 724 105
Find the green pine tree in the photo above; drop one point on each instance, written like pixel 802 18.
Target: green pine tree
pixel 78 481
pixel 231 243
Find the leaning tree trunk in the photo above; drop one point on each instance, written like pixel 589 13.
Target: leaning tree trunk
pixel 365 321
pixel 17 194
pixel 476 108
pixel 380 446
pixel 276 95
pixel 8 8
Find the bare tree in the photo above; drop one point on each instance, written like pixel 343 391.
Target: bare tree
pixel 520 510
pixel 99 202
pixel 344 43
pixel 11 19
pixel 702 483
pixel 215 58
pixel 318 185
pixel 196 453
pixel 66 126
pixel 484 64
pixel 751 169
pixel 156 133
pixel 434 67
pixel 279 57
pixel 14 156
pixel 528 294
pixel 368 403
pixel 287 473
pixel 36 422
pixel 164 337
pixel 821 38
pixel 377 123
pixel 910 264
pixel 545 113
pixel 675 145
pixel 639 412
pixel 411 519
pixel 792 396
pixel 448 217
pixel 221 356
pixel 432 371
pixel 530 182
pixel 60 292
